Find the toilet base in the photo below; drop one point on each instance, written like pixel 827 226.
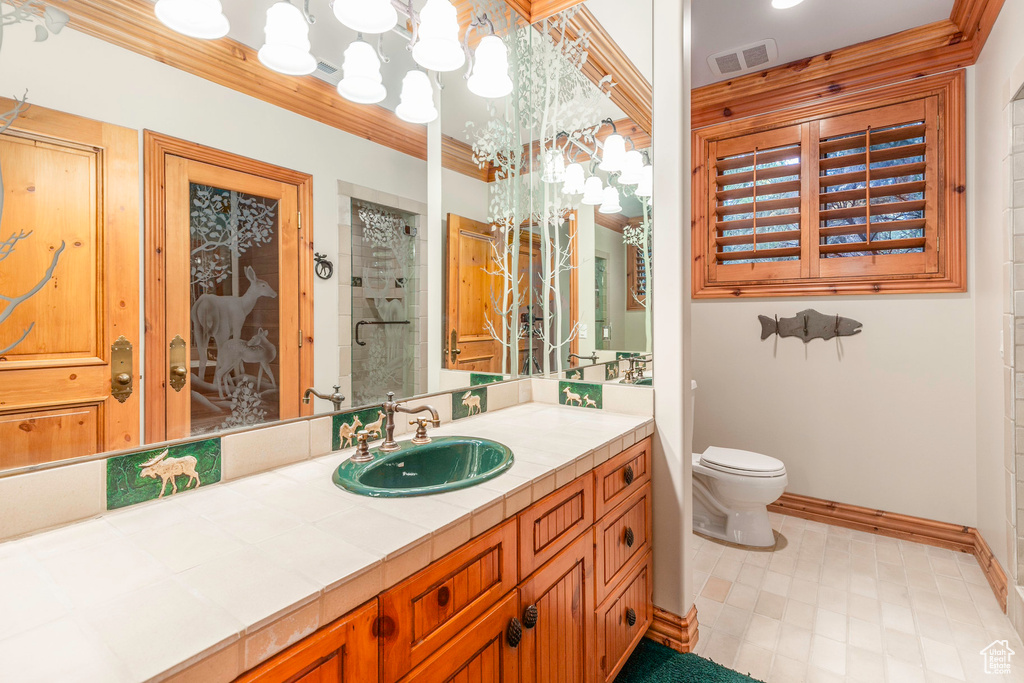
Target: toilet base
pixel 749 527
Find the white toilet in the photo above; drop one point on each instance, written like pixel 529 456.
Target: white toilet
pixel 731 492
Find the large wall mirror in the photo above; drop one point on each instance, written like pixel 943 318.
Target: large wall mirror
pixel 213 233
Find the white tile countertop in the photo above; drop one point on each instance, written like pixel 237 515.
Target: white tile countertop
pixel 211 582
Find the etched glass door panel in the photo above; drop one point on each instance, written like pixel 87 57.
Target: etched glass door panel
pixel 68 287
pixel 232 298
pixel 235 278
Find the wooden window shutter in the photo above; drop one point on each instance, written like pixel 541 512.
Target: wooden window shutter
pixel 860 194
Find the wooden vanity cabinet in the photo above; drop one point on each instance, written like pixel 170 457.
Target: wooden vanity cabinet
pixel 560 592
pixel 343 652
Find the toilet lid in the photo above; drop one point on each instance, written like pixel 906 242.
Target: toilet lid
pixel 742 462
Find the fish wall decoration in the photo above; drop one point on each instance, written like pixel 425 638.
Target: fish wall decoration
pixel 809 325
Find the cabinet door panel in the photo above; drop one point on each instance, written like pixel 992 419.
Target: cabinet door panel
pixel 343 652
pixel 623 536
pixel 621 476
pixel 480 653
pixel 437 604
pixel 546 527
pixel 560 647
pixel 616 637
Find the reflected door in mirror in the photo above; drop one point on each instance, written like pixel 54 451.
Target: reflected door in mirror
pixel 473 287
pixel 232 299
pixel 69 231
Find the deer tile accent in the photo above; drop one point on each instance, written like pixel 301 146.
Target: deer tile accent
pixel 347 425
pixel 162 472
pixel 580 394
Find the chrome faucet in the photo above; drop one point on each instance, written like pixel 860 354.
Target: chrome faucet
pixel 390 407
pixel 337 398
pixel 592 357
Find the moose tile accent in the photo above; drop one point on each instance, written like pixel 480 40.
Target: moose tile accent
pixel 467 403
pixel 162 472
pixel 580 394
pixel 346 425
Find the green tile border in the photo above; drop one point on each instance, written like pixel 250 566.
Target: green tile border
pixel 186 466
pixel 619 355
pixel 463 404
pixel 575 373
pixel 365 416
pixel 477 379
pixel 589 395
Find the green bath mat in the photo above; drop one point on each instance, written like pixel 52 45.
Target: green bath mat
pixel 654 663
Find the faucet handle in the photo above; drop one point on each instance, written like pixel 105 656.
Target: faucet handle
pixel 362 453
pixel 421 430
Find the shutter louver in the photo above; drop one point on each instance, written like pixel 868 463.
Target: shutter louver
pixel 758 206
pixel 872 192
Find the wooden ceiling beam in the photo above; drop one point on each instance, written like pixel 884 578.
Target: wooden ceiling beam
pixel 975 19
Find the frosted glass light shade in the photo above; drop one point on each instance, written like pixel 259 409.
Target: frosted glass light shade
pixel 554 167
pixel 573 179
pixel 194 18
pixel 437 46
pixel 362 82
pixel 611 201
pixel 785 4
pixel 366 16
pixel 490 71
pixel 286 49
pixel 593 191
pixel 614 153
pixel 646 186
pixel 632 168
pixel 417 103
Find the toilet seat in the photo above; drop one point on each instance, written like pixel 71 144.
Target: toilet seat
pixel 743 463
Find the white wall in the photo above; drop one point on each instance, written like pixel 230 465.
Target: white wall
pixel 996 78
pixel 608 244
pixel 884 419
pixel 85 76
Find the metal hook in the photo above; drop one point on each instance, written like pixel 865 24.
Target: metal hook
pixel 777 324
pixel 837 324
pixel 612 124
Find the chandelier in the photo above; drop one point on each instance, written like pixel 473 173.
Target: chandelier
pixel 434 44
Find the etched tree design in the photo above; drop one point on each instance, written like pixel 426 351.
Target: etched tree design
pixel 223 226
pixel 47 20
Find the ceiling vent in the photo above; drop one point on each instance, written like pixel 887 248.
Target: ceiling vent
pixel 745 59
pixel 326 71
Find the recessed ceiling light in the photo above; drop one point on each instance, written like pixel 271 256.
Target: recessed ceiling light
pixel 785 4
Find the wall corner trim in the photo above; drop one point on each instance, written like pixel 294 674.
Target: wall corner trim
pixel 671 630
pixel 917 529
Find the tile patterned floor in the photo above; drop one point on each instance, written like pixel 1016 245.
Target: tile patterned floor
pixel 841 605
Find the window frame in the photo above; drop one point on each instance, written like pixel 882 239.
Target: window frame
pixel 945 95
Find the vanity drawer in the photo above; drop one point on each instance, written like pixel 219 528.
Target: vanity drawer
pixel 621 475
pixel 427 610
pixel 547 527
pixel 623 535
pixel 616 637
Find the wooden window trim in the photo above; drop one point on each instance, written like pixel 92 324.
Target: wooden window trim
pixel 948 90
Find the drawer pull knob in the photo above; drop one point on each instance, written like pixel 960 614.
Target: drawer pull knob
pixel 515 632
pixel 530 616
pixel 443 595
pixel 630 616
pixel 630 538
pixel 628 474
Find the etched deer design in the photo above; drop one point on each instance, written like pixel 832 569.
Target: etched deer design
pixel 472 402
pixel 347 432
pixel 236 352
pixel 169 468
pixel 374 428
pixel 221 317
pixel 571 397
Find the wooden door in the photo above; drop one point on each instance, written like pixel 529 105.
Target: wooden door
pixel 480 653
pixel 343 652
pixel 228 305
pixel 69 273
pixel 473 285
pixel 561 645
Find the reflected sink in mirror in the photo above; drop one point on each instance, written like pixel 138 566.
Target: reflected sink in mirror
pixel 445 464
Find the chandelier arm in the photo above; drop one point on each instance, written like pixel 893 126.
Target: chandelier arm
pixel 408 11
pixel 380 50
pixel 310 18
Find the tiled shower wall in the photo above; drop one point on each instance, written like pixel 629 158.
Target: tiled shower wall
pixel 346 193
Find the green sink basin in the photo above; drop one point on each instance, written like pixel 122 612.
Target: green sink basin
pixel 445 464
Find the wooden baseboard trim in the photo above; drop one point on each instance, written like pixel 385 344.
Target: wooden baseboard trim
pixel 674 631
pixel 964 539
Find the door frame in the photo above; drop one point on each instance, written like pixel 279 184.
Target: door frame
pixel 157 147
